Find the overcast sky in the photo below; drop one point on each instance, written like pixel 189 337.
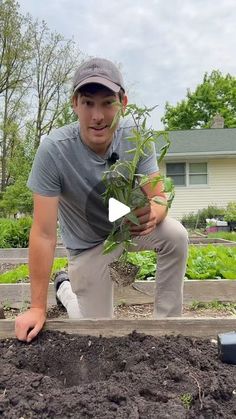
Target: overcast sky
pixel 164 47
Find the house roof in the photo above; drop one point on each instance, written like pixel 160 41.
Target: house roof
pixel 201 142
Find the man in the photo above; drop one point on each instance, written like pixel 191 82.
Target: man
pixel 67 176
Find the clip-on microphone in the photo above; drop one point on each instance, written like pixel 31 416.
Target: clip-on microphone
pixel 113 158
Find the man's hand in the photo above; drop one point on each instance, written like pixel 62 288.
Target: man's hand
pixel 149 217
pixel 29 324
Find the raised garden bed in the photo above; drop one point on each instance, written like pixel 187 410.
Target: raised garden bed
pixel 204 241
pixel 119 368
pixel 117 376
pixel 141 292
pixel 20 255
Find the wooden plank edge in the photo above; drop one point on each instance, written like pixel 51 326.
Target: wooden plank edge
pixel 142 292
pixel 207 327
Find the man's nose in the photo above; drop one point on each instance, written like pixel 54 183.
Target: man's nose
pixel 97 114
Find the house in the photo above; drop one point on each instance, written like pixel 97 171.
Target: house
pixel 202 164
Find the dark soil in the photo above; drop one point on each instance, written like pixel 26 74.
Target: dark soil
pixel 2 314
pixel 137 376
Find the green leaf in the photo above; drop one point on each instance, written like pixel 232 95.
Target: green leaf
pixel 131 217
pixel 130 151
pixel 159 200
pixel 154 181
pixel 168 184
pixel 138 198
pixel 109 246
pixel 144 179
pixel 170 198
pixel 117 115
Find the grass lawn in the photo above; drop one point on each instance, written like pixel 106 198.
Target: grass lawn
pixel 226 235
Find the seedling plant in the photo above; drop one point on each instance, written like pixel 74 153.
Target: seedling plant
pixel 124 183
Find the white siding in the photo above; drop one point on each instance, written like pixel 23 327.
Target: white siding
pixel 220 190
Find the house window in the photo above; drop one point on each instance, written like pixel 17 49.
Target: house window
pixel 187 174
pixel 197 173
pixel 177 172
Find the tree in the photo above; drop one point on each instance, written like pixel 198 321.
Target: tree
pixel 14 45
pixel 54 63
pixel 67 115
pixel 35 68
pixel 15 54
pixel 17 197
pixel 215 95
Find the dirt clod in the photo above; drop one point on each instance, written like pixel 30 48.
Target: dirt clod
pixel 123 274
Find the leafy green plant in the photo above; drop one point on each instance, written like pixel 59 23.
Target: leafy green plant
pixel 187 400
pixel 230 214
pixel 146 261
pixel 191 220
pixel 125 184
pixel 211 262
pixel 208 262
pixel 59 264
pixel 15 233
pixel 21 273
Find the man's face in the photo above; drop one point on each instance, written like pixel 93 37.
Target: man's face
pixel 96 112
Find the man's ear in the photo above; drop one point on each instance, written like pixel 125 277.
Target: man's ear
pixel 124 102
pixel 74 102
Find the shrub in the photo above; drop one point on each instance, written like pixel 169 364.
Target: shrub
pixel 230 214
pixel 198 219
pixel 190 220
pixel 15 233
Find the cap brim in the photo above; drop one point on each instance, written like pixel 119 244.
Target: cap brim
pixel 99 80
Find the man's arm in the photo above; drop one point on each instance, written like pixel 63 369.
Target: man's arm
pixel 152 214
pixel 41 254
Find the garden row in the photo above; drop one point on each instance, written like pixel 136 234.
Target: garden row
pixel 206 262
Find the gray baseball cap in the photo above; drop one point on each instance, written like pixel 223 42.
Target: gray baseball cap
pixel 101 71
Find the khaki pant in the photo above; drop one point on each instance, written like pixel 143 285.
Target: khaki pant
pixel 92 295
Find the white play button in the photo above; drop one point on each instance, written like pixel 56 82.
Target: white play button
pixel 116 209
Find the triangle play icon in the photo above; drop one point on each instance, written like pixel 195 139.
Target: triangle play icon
pixel 116 209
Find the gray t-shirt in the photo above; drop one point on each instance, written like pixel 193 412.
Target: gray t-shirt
pixel 65 166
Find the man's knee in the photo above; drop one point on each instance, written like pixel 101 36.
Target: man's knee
pixel 174 234
pixel 179 233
